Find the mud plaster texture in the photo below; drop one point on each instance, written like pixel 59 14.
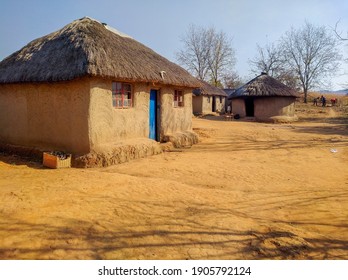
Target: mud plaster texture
pixel 203 104
pixel 110 154
pixel 120 135
pixel 45 116
pixel 78 117
pixel 268 109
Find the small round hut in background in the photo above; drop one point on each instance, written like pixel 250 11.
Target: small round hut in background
pixel 208 99
pixel 265 99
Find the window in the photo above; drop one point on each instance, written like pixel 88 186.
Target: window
pixel 220 99
pixel 208 99
pixel 122 95
pixel 178 98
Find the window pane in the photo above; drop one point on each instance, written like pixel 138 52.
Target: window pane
pixel 127 87
pixel 178 98
pixel 121 95
pixel 118 95
pixel 127 102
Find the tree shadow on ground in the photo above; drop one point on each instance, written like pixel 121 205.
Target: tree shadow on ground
pixel 328 125
pixel 230 145
pixel 182 236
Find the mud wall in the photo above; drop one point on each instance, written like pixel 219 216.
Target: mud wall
pixel 111 125
pixel 51 116
pixel 175 119
pixel 197 104
pixel 265 108
pixel 203 104
pixel 238 107
pixel 108 124
pixel 207 104
pixel 220 104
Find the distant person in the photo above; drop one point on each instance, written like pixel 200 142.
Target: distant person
pixel 333 101
pixel 323 101
pixel 229 109
pixel 315 101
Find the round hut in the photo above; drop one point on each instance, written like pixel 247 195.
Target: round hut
pixel 96 93
pixel 265 99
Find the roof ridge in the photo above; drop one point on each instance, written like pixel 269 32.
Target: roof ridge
pixel 263 85
pixel 108 27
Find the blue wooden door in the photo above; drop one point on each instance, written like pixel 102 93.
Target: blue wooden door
pixel 153 115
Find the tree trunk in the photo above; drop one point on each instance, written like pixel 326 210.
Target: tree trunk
pixel 305 96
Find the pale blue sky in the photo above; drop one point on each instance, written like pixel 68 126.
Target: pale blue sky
pixel 159 24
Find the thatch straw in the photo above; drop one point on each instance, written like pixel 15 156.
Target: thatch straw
pixel 263 85
pixel 86 47
pixel 208 89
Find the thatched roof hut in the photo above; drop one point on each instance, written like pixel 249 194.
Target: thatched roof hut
pixel 208 99
pixel 264 98
pixel 263 86
pixel 208 89
pixel 87 47
pixel 92 91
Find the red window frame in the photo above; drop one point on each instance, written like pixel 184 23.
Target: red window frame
pixel 122 95
pixel 178 98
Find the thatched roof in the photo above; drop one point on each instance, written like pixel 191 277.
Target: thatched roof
pixel 208 89
pixel 229 91
pixel 87 47
pixel 263 85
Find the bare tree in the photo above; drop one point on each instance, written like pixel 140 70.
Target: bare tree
pixel 339 34
pixel 207 54
pixel 270 60
pixel 267 60
pixel 341 38
pixel 232 80
pixel 193 57
pixel 311 53
pixel 221 57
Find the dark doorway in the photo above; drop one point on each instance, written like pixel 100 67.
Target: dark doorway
pixel 249 106
pixel 213 108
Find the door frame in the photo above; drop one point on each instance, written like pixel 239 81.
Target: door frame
pixel 154 114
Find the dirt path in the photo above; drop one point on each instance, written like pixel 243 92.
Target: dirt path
pixel 247 191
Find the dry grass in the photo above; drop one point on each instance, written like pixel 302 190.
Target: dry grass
pixel 307 111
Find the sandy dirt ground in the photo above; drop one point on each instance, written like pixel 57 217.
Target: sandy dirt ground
pixel 247 191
